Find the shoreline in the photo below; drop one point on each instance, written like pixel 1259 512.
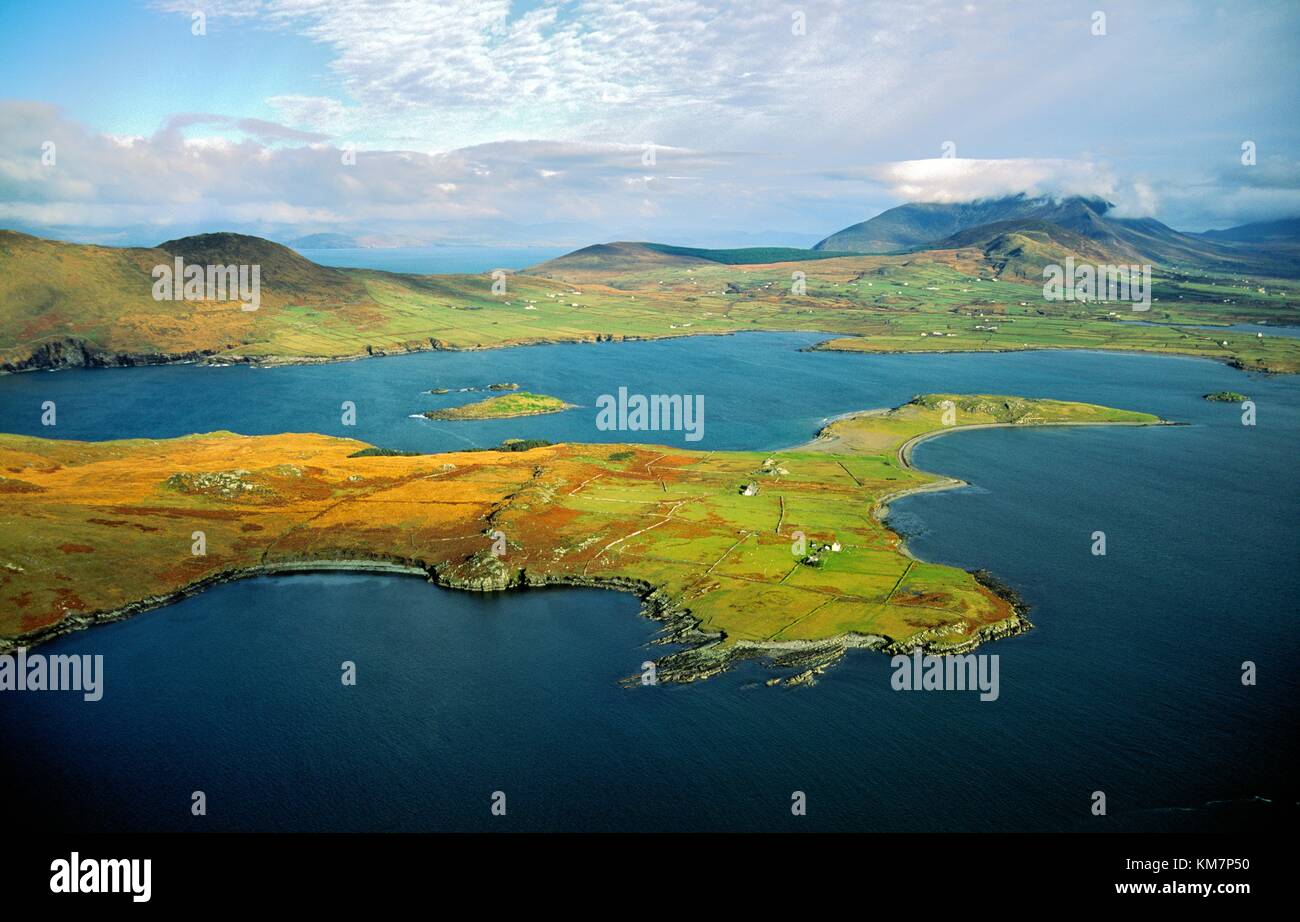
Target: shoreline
pixel 704 654
pixel 71 353
pixel 678 625
pixel 47 357
pixel 1230 362
pixel 1019 623
pixel 904 453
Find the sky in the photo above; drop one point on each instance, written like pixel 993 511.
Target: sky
pixel 568 122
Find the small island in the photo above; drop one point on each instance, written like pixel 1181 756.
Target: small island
pixel 1225 397
pixel 506 406
pixel 500 386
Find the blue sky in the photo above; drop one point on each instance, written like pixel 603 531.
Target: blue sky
pixel 124 67
pixel 492 121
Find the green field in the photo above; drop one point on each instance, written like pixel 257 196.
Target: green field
pixel 773 554
pixel 509 405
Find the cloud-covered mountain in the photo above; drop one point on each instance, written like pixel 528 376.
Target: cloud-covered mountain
pixel 918 223
pixel 1020 234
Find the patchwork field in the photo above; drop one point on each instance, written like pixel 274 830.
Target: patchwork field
pixel 778 554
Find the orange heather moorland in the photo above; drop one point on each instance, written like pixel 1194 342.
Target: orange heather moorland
pixel 778 554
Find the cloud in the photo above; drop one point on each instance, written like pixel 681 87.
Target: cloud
pixel 825 120
pixel 319 113
pixel 273 176
pixel 466 71
pixel 260 176
pixel 950 179
pixel 262 130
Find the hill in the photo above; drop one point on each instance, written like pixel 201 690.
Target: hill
pixel 290 271
pixel 628 256
pixel 1286 230
pixel 66 304
pixel 1021 249
pixel 620 256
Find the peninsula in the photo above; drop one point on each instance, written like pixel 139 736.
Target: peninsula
pixel 717 544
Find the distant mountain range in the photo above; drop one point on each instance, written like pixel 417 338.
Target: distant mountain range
pixel 1015 237
pixel 324 242
pixel 1025 232
pixel 1285 231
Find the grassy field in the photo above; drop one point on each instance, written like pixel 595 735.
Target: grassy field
pixel 521 403
pixel 62 300
pixel 761 549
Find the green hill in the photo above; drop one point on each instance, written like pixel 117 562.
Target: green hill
pixel 749 256
pixel 66 304
pixel 1021 249
pixel 629 256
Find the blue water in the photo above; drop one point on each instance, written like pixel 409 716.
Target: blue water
pixel 436 260
pixel 1128 684
pixel 760 391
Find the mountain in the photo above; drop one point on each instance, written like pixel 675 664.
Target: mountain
pixel 1287 230
pixel 915 224
pixel 936 226
pixel 1082 227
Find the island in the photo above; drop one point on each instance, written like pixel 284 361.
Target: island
pixel 1225 397
pixel 507 406
pixel 103 530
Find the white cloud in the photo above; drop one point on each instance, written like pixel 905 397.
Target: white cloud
pixel 465 71
pixel 470 114
pixel 256 175
pixel 317 113
pixel 951 179
pixel 274 176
